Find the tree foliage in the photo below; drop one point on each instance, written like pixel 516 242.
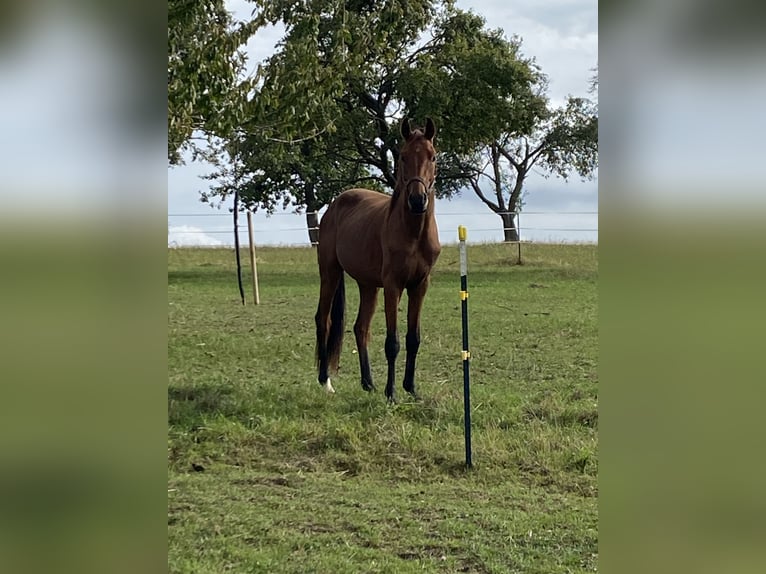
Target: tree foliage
pixel 322 113
pixel 210 93
pixel 205 64
pixel 375 62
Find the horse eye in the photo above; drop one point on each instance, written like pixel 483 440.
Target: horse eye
pixel 433 158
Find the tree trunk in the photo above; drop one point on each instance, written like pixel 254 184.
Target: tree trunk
pixel 510 232
pixel 312 222
pixel 312 217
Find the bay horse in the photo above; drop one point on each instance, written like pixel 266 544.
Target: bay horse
pixel 380 240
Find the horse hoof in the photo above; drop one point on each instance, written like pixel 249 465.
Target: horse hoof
pixel 391 400
pixel 327 386
pixel 369 388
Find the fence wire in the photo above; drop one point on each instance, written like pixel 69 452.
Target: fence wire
pixel 444 234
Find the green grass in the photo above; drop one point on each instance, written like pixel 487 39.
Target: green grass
pixel 267 473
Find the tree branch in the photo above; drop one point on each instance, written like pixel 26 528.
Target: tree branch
pixel 298 140
pixel 509 156
pixel 365 153
pixel 477 191
pixel 498 177
pixel 409 60
pixel 535 154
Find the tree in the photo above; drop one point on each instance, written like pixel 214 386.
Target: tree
pixel 210 93
pixel 205 90
pixel 563 141
pixel 302 175
pixel 469 78
pixel 342 44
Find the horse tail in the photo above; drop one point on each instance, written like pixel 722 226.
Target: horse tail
pixel 337 319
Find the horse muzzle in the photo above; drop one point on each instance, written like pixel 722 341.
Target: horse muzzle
pixel 418 203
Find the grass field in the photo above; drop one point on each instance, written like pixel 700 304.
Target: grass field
pixel 267 473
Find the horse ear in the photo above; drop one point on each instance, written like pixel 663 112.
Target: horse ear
pixel 430 129
pixel 406 128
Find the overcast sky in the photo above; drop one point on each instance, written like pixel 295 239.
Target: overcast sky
pixel 562 35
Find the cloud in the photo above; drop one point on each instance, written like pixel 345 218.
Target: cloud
pixel 189 236
pixel 562 36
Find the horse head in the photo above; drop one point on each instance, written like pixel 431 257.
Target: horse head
pixel 417 166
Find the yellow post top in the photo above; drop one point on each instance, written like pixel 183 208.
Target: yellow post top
pixel 461 232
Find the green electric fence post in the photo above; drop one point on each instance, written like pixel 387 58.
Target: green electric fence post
pixel 466 354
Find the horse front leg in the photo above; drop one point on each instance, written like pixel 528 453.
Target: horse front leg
pixel 392 294
pixel 368 296
pixel 415 297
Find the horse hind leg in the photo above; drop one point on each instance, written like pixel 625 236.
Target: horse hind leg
pixel 368 297
pixel 321 319
pixel 329 329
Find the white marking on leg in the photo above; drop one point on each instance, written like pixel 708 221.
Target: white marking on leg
pixel 328 387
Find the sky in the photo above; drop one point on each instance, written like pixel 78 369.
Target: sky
pixel 562 35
